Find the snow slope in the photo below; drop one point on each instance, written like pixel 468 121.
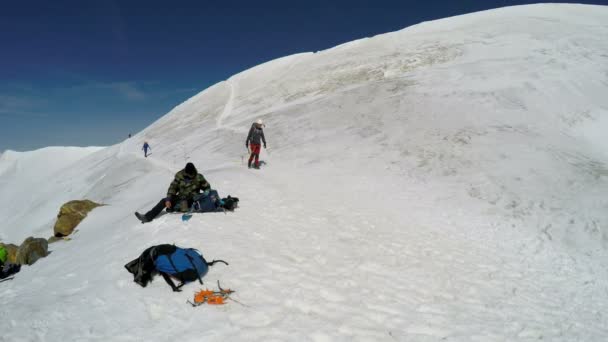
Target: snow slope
pixel 443 182
pixel 36 181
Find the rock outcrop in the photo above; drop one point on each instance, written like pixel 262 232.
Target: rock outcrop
pixel 31 250
pixel 71 214
pixel 12 252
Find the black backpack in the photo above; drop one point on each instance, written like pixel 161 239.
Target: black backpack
pixel 230 203
pixel 211 202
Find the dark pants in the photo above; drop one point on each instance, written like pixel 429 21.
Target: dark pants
pixel 158 208
pixel 8 270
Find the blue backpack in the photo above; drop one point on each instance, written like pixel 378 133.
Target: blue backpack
pixel 210 202
pixel 185 264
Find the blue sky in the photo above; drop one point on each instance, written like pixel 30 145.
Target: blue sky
pixel 82 73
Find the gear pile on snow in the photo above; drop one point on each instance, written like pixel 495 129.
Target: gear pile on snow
pixel 210 297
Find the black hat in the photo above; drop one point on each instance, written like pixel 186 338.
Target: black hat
pixel 190 169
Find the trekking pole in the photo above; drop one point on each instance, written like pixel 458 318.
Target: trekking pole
pixel 228 292
pixel 236 301
pixel 247 155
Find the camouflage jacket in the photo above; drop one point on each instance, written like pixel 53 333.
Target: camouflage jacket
pixel 185 187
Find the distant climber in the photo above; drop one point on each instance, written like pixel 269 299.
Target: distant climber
pixel 253 142
pixel 145 148
pixel 180 196
pixel 7 269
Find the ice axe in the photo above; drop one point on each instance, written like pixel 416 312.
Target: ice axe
pixel 188 215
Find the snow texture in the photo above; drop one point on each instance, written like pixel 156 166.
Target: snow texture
pixel 446 182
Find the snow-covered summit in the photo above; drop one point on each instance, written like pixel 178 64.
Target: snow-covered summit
pixel 443 182
pixel 493 103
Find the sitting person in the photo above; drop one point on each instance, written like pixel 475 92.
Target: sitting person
pixel 7 269
pixel 187 184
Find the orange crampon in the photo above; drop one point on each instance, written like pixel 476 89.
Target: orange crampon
pixel 211 297
pixel 226 291
pixel 201 296
pixel 215 300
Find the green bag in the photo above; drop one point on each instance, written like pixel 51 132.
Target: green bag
pixel 3 254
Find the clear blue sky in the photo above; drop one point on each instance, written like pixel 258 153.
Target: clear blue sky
pixel 85 72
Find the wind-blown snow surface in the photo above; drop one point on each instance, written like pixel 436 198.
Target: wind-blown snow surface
pixel 36 182
pixel 444 182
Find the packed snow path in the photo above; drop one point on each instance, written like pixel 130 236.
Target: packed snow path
pixel 229 104
pixel 442 183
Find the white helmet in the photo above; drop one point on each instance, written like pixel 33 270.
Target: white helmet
pixel 259 122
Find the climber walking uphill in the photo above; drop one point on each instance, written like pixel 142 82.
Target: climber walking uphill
pixel 145 148
pixel 185 186
pixel 254 140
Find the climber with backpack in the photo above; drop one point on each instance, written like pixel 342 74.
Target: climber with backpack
pixel 253 142
pixel 172 263
pixel 187 184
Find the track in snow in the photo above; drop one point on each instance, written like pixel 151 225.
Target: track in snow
pixel 229 104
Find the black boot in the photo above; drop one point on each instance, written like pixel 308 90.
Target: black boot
pixel 151 215
pixel 142 218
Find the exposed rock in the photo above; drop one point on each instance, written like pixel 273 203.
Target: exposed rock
pixel 70 216
pixel 31 250
pixel 12 252
pixel 54 239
